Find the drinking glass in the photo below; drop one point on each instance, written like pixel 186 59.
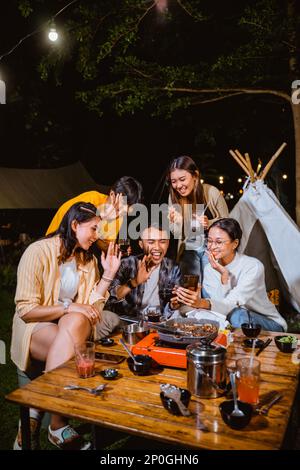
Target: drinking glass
pixel 85 359
pixel 124 244
pixel 153 314
pixel 248 375
pixel 166 292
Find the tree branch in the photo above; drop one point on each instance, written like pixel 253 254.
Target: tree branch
pixel 186 10
pixel 130 29
pixel 291 46
pixel 212 100
pixel 281 94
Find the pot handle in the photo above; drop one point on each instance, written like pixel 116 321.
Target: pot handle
pixel 213 383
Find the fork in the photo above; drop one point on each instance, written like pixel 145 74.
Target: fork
pixel 265 409
pixel 93 391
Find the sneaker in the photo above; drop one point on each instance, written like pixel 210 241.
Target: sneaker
pixel 35 425
pixel 66 438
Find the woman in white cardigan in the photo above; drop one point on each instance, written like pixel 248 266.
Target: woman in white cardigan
pixel 233 282
pixel 193 207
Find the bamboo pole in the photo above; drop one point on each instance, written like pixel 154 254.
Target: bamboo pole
pixel 240 163
pixel 249 165
pixel 271 161
pixel 241 157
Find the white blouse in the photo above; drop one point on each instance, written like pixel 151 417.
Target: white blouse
pixel 69 281
pixel 245 288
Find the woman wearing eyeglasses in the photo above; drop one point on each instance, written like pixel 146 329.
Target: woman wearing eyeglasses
pixel 233 282
pixel 193 207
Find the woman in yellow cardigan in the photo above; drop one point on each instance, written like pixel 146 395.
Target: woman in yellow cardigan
pixel 125 192
pixel 59 301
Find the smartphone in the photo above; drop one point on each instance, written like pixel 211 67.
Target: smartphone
pixel 112 358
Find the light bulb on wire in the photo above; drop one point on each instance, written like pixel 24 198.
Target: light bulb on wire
pixel 53 35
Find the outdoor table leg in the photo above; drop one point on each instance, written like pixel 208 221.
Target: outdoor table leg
pixel 25 428
pixel 94 437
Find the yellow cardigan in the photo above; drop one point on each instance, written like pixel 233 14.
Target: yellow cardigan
pixel 38 283
pixel 106 230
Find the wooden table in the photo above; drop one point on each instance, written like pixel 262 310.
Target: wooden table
pixel 132 404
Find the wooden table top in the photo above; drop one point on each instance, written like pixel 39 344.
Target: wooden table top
pixel 132 403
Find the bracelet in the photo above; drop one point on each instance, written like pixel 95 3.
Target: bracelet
pixel 107 279
pixel 66 305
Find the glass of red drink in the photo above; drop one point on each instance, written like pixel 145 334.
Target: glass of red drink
pixel 85 359
pixel 248 375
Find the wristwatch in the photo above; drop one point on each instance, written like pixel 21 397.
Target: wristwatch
pixel 66 304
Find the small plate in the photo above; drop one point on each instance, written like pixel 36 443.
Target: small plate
pixel 249 342
pixel 106 341
pixel 109 374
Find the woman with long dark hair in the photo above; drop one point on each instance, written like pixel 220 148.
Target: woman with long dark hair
pixel 193 208
pixel 59 302
pixel 233 284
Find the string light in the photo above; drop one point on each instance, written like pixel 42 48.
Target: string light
pixel 241 191
pixel 53 35
pixel 44 27
pixel 284 176
pixel 201 181
pixel 240 180
pixel 162 6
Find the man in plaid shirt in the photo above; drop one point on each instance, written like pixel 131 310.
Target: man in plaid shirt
pixel 141 279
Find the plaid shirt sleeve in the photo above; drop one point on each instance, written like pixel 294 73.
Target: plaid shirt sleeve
pixel 127 270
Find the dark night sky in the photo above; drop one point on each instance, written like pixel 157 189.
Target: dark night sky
pixel 110 147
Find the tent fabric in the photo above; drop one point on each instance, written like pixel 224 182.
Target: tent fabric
pixel 44 189
pixel 259 203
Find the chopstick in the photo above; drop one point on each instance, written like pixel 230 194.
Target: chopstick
pixel 264 346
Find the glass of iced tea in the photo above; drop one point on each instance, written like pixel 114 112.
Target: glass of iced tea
pixel 248 375
pixel 85 359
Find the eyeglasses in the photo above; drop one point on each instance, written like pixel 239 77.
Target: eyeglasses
pixel 218 243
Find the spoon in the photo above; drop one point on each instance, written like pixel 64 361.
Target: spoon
pixel 130 353
pixel 94 390
pixel 236 411
pixel 173 392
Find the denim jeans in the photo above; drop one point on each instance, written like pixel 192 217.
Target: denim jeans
pixel 239 316
pixel 193 262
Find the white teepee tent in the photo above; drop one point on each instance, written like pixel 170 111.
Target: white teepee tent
pixel 269 233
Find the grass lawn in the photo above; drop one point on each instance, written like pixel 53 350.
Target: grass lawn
pixel 8 376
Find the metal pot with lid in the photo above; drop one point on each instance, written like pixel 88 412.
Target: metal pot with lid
pixel 206 369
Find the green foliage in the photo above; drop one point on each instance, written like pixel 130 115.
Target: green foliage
pixel 132 57
pixel 25 8
pixel 8 276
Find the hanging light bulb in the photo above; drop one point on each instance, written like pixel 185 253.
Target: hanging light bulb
pixel 53 35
